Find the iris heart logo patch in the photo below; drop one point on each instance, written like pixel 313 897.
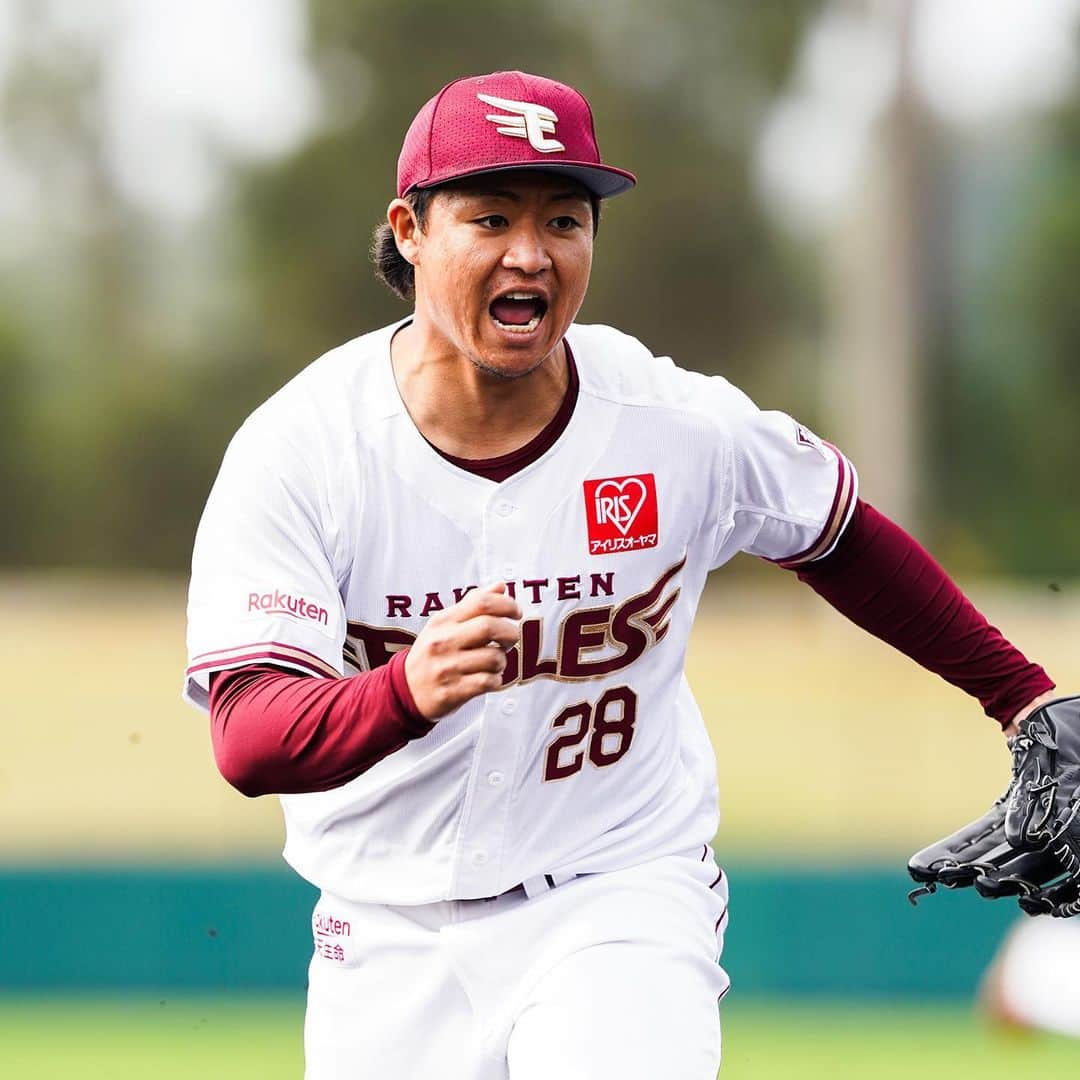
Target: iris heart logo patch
pixel 621 513
pixel 620 501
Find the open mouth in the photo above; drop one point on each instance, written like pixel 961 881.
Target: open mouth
pixel 518 312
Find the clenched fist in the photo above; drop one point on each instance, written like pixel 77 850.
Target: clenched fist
pixel 461 653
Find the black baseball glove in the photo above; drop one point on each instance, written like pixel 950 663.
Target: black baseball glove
pixel 1028 844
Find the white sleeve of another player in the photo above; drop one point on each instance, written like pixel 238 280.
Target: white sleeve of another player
pixel 263 586
pixel 793 493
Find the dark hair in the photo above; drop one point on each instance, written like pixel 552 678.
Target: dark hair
pixel 393 269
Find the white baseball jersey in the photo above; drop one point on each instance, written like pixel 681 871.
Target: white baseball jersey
pixel 334 532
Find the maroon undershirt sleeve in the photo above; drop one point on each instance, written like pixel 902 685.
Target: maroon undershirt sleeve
pixel 275 732
pixel 885 582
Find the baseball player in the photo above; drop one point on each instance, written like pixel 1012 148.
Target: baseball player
pixel 440 602
pixel 1034 980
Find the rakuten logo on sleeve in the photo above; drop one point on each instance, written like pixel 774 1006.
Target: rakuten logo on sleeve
pixel 283 603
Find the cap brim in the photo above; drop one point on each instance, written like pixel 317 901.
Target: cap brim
pixel 604 181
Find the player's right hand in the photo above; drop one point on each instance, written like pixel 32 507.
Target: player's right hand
pixel 461 653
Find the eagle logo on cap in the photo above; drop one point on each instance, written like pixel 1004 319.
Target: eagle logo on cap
pixel 524 120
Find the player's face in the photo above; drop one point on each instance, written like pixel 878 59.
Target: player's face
pixel 503 265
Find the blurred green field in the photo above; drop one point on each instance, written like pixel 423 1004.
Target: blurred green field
pixel 260 1039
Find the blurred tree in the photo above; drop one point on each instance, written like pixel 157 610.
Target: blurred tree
pixel 111 425
pixel 76 276
pixel 1008 392
pixel 685 261
pixel 19 474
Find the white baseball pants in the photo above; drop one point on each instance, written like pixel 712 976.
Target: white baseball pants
pixel 610 976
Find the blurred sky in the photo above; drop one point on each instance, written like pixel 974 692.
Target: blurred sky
pixel 978 64
pixel 186 80
pixel 192 81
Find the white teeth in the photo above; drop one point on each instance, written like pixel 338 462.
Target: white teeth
pixel 523 328
pixel 522 296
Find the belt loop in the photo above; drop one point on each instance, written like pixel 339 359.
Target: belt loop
pixel 534 886
pixel 542 883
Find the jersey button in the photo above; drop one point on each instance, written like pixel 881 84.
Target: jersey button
pixel 509 571
pixel 479 858
pixel 495 778
pixel 509 707
pixel 504 509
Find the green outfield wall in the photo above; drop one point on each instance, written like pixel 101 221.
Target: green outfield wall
pixel 841 932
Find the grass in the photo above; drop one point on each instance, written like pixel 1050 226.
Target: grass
pixel 260 1039
pixel 784 1040
pixel 160 1039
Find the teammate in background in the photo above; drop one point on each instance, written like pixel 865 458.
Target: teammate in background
pixel 1034 980
pixel 440 602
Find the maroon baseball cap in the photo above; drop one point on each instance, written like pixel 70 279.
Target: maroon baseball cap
pixel 506 120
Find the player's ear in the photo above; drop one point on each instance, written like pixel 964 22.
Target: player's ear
pixel 406 228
